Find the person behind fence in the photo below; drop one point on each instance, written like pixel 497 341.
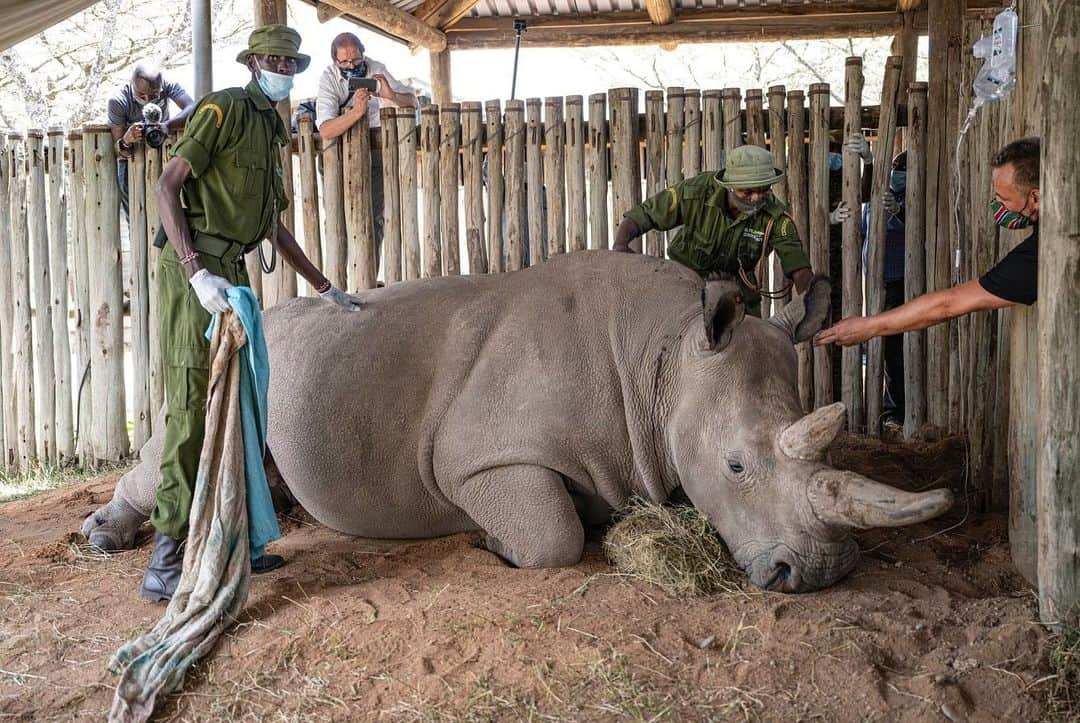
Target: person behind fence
pixel 219 195
pixel 337 108
pixel 730 221
pixel 1013 280
pixel 127 111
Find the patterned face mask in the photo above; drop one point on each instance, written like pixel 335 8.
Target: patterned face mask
pixel 1008 219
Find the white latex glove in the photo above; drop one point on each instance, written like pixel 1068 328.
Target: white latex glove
pixel 839 214
pixel 891 204
pixel 211 291
pixel 857 144
pixel 336 296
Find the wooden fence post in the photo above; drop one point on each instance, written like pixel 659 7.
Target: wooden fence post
pixel 798 204
pixel 712 130
pixel 674 133
pixel 819 222
pixel 429 183
pixel 534 180
pixel 577 228
pixel 851 379
pixel 138 284
pixel 392 217
pixel 449 145
pixel 495 187
pixel 336 259
pixel 82 378
pixel 915 257
pixel 58 275
pixel 155 378
pixel 555 174
pixel 22 349
pixel 359 223
pixel 514 138
pixel 309 194
pixel 599 175
pixel 625 171
pixel 410 219
pixel 654 161
pixel 875 255
pixel 40 289
pixel 109 431
pixel 730 99
pixel 778 145
pixel 8 409
pixel 691 160
pixel 755 136
pixel 472 155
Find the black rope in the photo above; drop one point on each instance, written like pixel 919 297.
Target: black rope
pixel 519 28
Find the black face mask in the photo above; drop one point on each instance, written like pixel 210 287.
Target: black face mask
pixel 360 71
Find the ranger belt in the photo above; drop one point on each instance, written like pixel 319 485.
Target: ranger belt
pixel 218 247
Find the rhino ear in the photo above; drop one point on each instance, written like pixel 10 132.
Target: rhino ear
pixel 805 315
pixel 722 310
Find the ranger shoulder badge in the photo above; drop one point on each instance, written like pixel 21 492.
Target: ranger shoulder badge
pixel 216 109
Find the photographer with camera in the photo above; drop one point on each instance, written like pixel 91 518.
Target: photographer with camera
pixel 352 88
pixel 140 112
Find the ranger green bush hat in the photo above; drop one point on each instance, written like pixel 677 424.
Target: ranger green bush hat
pixel 749 167
pixel 275 40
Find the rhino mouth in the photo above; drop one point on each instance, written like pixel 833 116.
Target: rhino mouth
pixel 778 568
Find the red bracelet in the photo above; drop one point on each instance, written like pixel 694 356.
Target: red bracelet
pixel 323 288
pixel 190 257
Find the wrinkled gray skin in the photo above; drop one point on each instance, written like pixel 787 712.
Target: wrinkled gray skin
pixel 523 403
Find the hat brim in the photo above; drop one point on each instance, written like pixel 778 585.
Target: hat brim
pixel 302 61
pixel 750 182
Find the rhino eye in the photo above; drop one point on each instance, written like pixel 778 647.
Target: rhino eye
pixel 735 466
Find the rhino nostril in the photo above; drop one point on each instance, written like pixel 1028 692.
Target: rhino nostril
pixel 782 571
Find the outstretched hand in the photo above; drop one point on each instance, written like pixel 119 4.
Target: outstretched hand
pixel 847 332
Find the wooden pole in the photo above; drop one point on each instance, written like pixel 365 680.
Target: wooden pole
pixel 818 217
pixel 625 172
pixel 577 213
pixel 80 263
pixel 555 174
pixel 22 349
pixel 755 135
pixel 674 132
pixel 875 257
pixel 534 180
pixel 410 219
pixel 472 156
pixel 778 145
pixel 730 98
pixel 138 284
pixel 515 184
pixel 598 172
pixel 390 19
pixel 712 132
pixel 798 203
pixel 40 289
pixel 449 145
pixel 851 379
pixel 154 375
pixel 356 168
pixel 495 186
pixel 58 276
pixel 691 160
pixel 7 393
pixel 309 193
pixel 1059 299
pixel 442 93
pixel 915 258
pixel 392 222
pixel 336 259
pixel 654 161
pixel 109 430
pixel 429 181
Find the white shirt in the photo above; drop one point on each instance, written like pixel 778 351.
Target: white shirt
pixel 334 93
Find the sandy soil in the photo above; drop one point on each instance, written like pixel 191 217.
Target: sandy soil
pixel 923 630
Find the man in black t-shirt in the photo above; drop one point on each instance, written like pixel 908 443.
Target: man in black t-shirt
pixel 1012 281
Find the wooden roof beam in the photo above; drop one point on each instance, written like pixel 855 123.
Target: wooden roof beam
pixel 389 19
pixel 325 13
pixel 660 12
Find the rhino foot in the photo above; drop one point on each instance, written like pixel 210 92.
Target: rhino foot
pixel 113 526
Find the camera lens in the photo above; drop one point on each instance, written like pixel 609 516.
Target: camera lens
pixel 155 137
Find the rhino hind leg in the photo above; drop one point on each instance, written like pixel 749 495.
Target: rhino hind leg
pixel 527 513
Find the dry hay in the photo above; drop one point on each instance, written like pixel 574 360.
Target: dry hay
pixel 1065 663
pixel 672 546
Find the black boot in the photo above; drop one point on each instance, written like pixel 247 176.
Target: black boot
pixel 163 573
pixel 266 563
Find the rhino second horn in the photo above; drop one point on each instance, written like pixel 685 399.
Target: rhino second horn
pixel 808 438
pixel 848 499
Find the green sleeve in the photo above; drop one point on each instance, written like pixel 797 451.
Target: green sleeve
pixel 789 249
pixel 662 211
pixel 204 132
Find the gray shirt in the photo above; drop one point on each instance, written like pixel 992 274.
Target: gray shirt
pixel 123 109
pixel 334 93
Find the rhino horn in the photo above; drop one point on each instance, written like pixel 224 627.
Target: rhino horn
pixel 851 500
pixel 808 438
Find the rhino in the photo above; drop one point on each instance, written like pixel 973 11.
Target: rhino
pixel 531 404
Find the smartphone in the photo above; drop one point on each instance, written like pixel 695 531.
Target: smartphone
pixel 370 84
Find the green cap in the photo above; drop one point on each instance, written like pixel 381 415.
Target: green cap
pixel 749 167
pixel 275 40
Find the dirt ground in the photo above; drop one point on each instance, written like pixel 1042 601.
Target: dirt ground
pixel 926 628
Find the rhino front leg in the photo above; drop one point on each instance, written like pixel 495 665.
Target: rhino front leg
pixel 528 515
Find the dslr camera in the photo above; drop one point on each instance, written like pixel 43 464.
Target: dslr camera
pixel 153 133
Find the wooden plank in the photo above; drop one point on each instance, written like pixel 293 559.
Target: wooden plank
pixel 22 335
pixel 495 186
pixel 555 174
pixel 599 228
pixel 309 195
pixel 58 277
pixel 472 126
pixel 40 288
pixel 654 161
pixel 449 167
pixel 359 225
pixel 577 213
pixel 81 267
pixel 851 373
pixel 390 19
pixel 798 203
pixel 730 99
pixel 155 375
pixel 712 130
pixel 336 233
pixel 429 183
pixel 7 393
pixel 534 180
pixel 674 133
pixel 405 119
pixel 138 284
pixel 691 161
pixel 625 169
pixel 515 184
pixel 818 217
pixel 778 146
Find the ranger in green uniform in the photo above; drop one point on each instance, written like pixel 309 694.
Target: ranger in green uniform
pixel 219 195
pixel 727 217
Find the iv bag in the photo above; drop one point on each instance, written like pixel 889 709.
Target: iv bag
pixel 997 76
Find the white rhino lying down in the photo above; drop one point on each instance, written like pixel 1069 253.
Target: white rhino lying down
pixel 522 403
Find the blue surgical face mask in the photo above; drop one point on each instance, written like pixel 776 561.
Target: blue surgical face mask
pixel 836 162
pixel 898 182
pixel 275 85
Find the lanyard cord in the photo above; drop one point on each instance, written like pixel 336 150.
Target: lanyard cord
pixel 761 272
